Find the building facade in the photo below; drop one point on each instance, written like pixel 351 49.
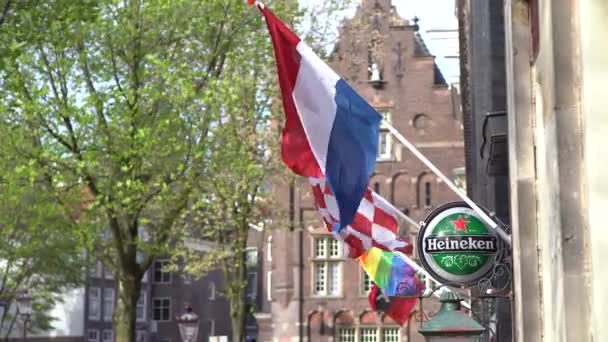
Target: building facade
pixel 164 295
pixel 314 292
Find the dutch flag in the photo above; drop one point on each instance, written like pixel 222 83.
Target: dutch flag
pixel 330 131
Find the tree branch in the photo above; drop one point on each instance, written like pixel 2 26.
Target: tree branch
pixel 84 66
pixel 7 7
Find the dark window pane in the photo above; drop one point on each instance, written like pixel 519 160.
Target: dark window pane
pixel 427 194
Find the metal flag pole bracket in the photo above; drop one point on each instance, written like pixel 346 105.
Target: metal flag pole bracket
pixel 499 229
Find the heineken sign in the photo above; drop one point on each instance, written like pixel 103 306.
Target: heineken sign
pixel 455 245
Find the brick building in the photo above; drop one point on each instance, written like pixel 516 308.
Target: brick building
pixel 313 292
pixel 164 295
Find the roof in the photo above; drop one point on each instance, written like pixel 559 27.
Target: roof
pixel 438 78
pixel 420 49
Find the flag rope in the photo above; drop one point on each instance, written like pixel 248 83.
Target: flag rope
pixel 506 237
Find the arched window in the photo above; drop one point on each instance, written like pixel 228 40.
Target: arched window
pixel 377 187
pixel 424 193
pixel 427 194
pixel 422 123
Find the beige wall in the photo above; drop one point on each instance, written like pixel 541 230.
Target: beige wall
pixel 555 137
pixel 594 52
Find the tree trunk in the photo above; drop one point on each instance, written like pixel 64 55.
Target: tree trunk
pixel 129 286
pixel 237 277
pixel 238 311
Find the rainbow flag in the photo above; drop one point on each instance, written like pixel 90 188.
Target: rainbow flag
pixel 391 273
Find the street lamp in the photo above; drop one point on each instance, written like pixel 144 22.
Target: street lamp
pixel 188 325
pixel 450 324
pixel 24 306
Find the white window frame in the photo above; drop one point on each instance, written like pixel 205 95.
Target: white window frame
pixel 96 332
pixel 91 303
pixel 154 308
pixel 357 336
pixel 365 279
pixel 107 314
pixel 375 329
pixel 142 297
pixel 350 338
pixel 383 338
pixel 386 154
pixel 211 289
pixel 269 286
pixel 103 335
pixel 163 263
pixel 251 256
pixel 324 261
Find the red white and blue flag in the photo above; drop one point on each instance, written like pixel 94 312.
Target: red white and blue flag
pixel 330 131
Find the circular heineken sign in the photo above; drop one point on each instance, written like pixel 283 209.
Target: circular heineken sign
pixel 455 245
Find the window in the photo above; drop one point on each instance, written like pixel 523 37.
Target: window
pixel 140 313
pixel 333 275
pixel 421 122
pixel 369 335
pixel 108 274
pixel 269 286
pixel 140 336
pixel 327 271
pixel 346 335
pixel 391 335
pixel 211 288
pixel 366 286
pixel 320 247
pixel 107 336
pixel 320 274
pixel 377 187
pixel 252 284
pixel 108 304
pixel 251 256
pixel 385 143
pixel 161 275
pixel 427 194
pixel 162 309
pixel 96 270
pixel 93 335
pixel 94 303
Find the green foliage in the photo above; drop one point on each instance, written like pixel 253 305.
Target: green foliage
pixel 41 248
pixel 146 122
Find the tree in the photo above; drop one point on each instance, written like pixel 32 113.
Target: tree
pixel 122 99
pixel 41 249
pixel 239 197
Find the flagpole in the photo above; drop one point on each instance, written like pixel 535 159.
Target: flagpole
pixel 506 237
pixel 397 211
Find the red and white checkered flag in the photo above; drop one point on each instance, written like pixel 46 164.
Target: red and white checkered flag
pixel 375 223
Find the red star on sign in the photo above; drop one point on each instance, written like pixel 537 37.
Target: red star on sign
pixel 460 224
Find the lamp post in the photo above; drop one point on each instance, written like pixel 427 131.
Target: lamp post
pixel 24 305
pixel 188 325
pixel 451 324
